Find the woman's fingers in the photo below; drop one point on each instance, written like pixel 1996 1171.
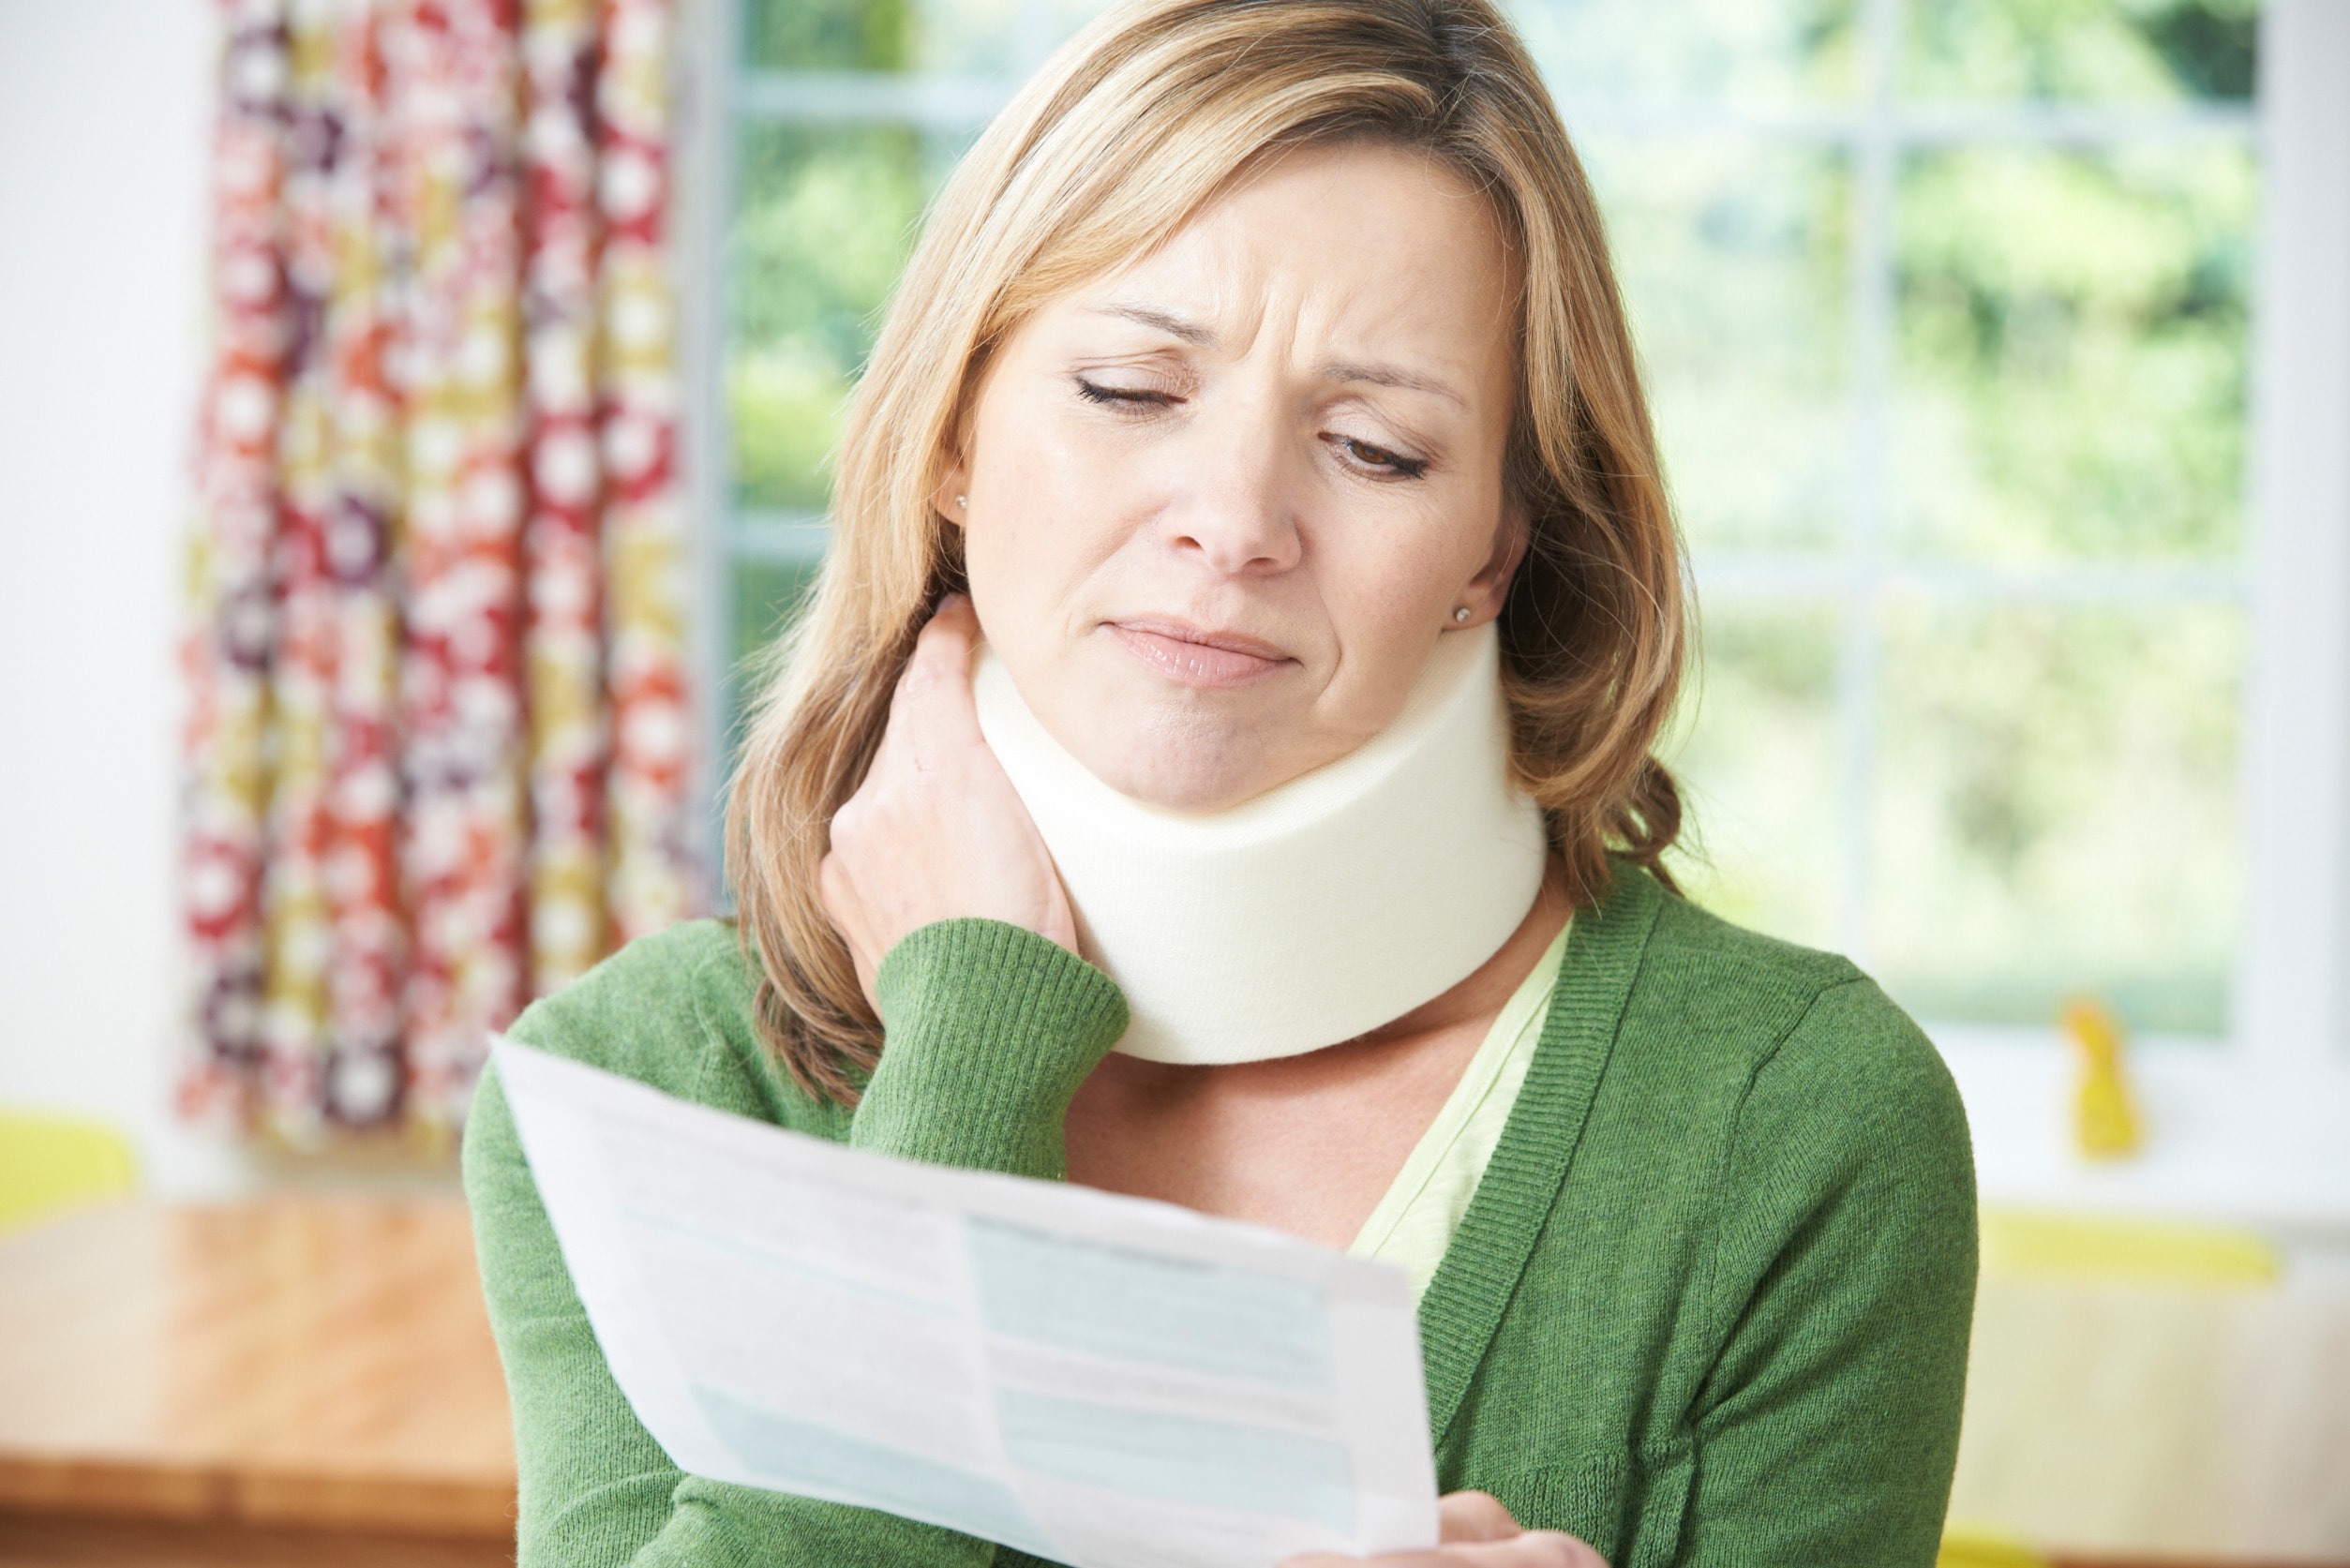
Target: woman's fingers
pixel 1535 1549
pixel 1474 1530
pixel 837 892
pixel 1565 1551
pixel 933 731
pixel 1532 1549
pixel 935 690
pixel 956 618
pixel 1468 1517
pixel 936 830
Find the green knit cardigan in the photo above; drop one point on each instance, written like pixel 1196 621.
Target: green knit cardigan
pixel 1708 1305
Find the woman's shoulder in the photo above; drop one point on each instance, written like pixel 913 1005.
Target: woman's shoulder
pixel 1783 1081
pixel 1781 1025
pixel 675 1009
pixel 1692 944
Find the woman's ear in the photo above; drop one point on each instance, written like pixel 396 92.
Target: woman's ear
pixel 950 498
pixel 1484 594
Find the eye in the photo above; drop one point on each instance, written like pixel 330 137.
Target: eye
pixel 1123 396
pixel 1379 459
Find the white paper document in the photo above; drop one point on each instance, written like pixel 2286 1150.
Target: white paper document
pixel 1101 1380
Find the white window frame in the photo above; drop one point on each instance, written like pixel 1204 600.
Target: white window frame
pixel 2256 1132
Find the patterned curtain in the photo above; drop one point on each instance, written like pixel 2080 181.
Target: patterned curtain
pixel 438 732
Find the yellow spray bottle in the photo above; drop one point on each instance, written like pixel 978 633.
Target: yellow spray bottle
pixel 2105 1120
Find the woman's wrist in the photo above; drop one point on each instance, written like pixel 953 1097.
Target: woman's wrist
pixel 989 1028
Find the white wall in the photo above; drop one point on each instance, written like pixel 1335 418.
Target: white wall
pixel 103 128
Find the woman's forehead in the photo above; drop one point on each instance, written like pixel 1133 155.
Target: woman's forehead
pixel 1377 255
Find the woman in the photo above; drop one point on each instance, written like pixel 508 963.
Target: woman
pixel 1259 402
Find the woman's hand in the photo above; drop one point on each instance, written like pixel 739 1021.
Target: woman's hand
pixel 1474 1530
pixel 936 830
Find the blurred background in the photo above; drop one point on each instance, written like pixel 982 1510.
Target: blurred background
pixel 2000 350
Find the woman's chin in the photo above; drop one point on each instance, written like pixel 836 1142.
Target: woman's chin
pixel 1196 781
pixel 1187 750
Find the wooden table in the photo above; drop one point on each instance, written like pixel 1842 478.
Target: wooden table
pixel 284 1381
pixel 2120 1422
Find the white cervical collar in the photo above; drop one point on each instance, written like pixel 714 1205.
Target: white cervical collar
pixel 1313 913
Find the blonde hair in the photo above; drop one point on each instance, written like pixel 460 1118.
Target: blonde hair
pixel 1121 137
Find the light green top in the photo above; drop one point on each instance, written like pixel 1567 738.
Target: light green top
pixel 1414 1223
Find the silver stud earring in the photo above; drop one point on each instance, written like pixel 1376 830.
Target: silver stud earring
pixel 1461 614
pixel 962 503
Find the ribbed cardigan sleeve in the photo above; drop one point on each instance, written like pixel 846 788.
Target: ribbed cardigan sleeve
pixel 988 1030
pixel 1828 1428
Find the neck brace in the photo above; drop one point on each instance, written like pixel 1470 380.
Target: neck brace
pixel 1315 912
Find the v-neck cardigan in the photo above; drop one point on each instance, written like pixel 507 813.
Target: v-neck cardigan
pixel 1412 1222
pixel 1708 1305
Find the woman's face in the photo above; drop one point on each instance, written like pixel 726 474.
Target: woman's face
pixel 1220 504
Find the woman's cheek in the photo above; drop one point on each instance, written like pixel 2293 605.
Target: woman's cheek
pixel 1401 562
pixel 1046 519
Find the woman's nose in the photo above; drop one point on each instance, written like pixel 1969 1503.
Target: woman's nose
pixel 1240 509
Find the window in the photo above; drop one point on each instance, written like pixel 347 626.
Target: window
pixel 848 114
pixel 1947 312
pixel 1944 306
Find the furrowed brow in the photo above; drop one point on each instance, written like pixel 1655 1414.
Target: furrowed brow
pixel 1200 336
pixel 1395 376
pixel 1168 322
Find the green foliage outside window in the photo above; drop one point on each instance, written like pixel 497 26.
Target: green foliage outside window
pixel 2082 50
pixel 2072 364
pixel 812 262
pixel 828 35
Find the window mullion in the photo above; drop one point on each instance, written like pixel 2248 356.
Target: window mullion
pixel 2293 1009
pixel 1875 154
pixel 951 102
pixel 709 65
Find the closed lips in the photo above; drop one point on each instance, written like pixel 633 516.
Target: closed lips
pixel 1198 657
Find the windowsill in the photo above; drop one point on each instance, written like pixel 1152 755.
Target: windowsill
pixel 2227 1140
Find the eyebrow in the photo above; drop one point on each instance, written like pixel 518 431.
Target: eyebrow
pixel 1200 336
pixel 1390 375
pixel 1195 333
